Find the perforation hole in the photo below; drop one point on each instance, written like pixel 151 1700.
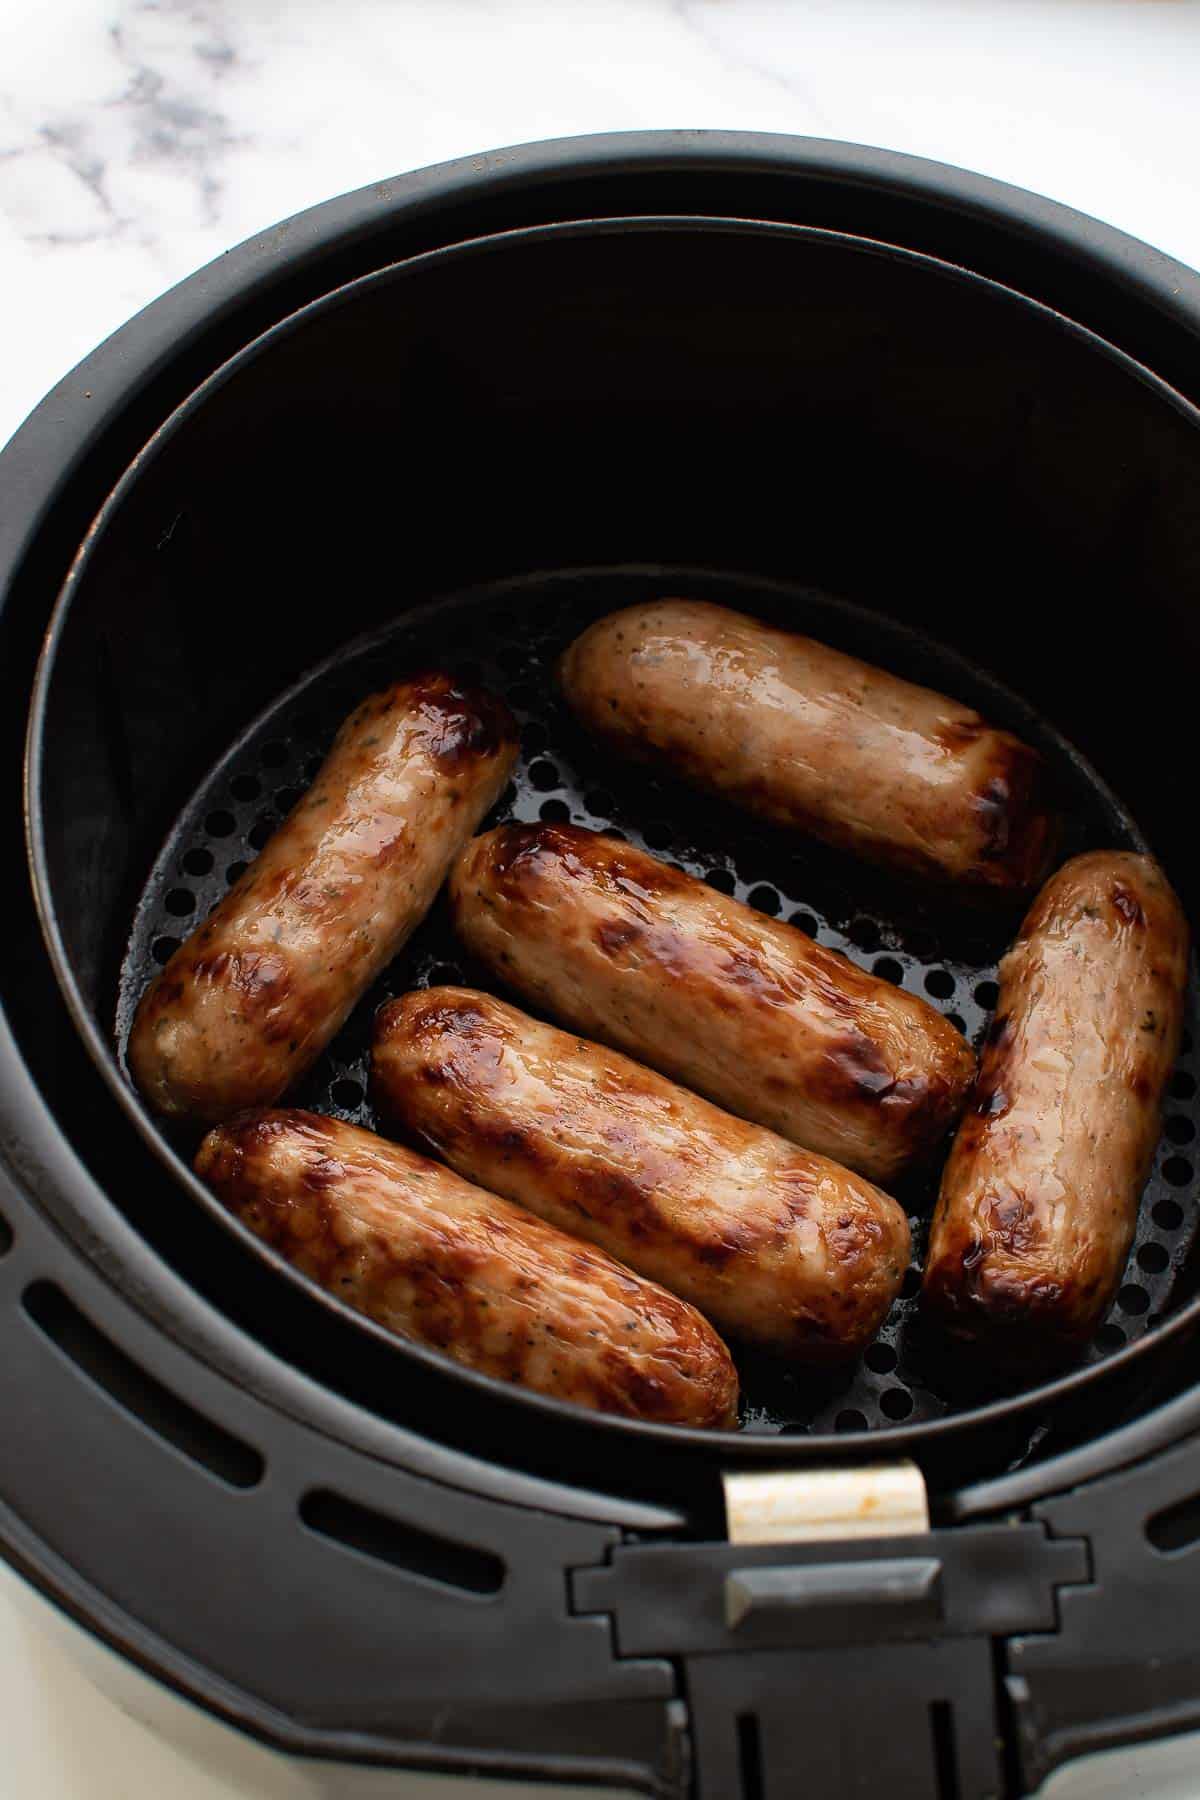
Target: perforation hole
pixel 910 1287
pixel 198 862
pixel 164 948
pixel 986 994
pixel 804 921
pixel 245 787
pixel 274 754
pixel 347 1094
pixel 543 775
pixel 1133 1300
pixel 1177 1170
pixel 554 812
pixel 1168 1215
pixel 180 902
pixel 287 797
pixel 1183 1085
pixel 881 1358
pixel 850 1420
pixel 895 1403
pixel 722 880
pixel 657 835
pixel 533 737
pixel 939 983
pixel 235 871
pixel 1153 1259
pixel 958 1022
pixel 764 899
pixel 888 969
pixel 1110 1337
pixel 260 833
pixel 1180 1130
pixel 864 933
pixel 599 803
pixel 220 824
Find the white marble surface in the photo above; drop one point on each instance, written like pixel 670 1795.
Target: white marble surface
pixel 139 138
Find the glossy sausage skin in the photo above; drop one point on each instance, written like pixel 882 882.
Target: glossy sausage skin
pixel 434 1259
pixel 775 1245
pixel 813 739
pixel 743 1008
pixel 248 1003
pixel 1040 1195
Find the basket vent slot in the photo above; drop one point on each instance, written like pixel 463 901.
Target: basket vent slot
pixel 1176 1527
pixel 749 1741
pixel 945 1750
pixel 138 1393
pixel 402 1545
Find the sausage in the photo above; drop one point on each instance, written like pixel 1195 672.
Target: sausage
pixel 248 1003
pixel 1040 1194
pixel 776 1246
pixel 744 1009
pixel 813 739
pixel 436 1260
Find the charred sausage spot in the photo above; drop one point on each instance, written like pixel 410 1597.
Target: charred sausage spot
pixel 852 1236
pixel 615 935
pixel 1012 1224
pixel 513 852
pixel 856 1068
pixel 456 724
pixel 954 735
pixel 734 1239
pixel 327 1172
pixel 1015 822
pixel 1127 905
pixel 992 809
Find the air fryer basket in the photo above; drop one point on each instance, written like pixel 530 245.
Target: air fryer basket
pixel 613 388
pixel 469 447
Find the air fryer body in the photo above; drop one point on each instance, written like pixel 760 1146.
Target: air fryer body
pixel 967 416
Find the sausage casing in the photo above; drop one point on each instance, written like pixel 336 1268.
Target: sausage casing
pixel 248 1003
pixel 744 1009
pixel 811 738
pixel 427 1255
pixel 1039 1198
pixel 775 1245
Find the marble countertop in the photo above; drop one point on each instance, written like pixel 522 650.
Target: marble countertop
pixel 140 138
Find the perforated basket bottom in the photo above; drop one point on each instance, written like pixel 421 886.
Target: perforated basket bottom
pixel 509 636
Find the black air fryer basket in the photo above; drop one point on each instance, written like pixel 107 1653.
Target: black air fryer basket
pixel 947 426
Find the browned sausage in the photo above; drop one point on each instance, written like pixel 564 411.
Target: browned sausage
pixel 740 1007
pixel 429 1256
pixel 777 1246
pixel 248 1003
pixel 1040 1196
pixel 811 738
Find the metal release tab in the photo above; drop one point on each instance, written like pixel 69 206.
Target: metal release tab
pixel 796 1506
